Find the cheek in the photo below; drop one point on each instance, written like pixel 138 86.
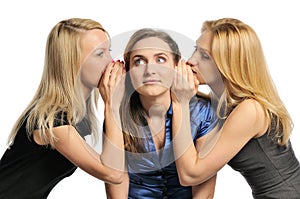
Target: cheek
pixel 167 77
pixel 199 77
pixel 92 70
pixel 136 76
pixel 206 74
pixel 209 73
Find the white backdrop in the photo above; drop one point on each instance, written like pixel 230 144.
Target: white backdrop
pixel 25 26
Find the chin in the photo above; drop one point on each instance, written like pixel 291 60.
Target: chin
pixel 152 91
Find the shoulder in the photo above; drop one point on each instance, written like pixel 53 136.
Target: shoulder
pixel 250 114
pixel 200 101
pixel 201 106
pixel 202 114
pixel 251 108
pixel 64 132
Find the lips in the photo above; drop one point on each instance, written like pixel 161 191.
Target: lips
pixel 194 70
pixel 151 81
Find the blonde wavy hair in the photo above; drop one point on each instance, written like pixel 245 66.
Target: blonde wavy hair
pixel 60 89
pixel 238 54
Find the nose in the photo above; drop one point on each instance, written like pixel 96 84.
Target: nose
pixel 149 69
pixel 192 61
pixel 109 57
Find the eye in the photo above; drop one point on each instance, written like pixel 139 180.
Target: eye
pixel 196 48
pixel 161 60
pixel 204 56
pixel 138 62
pixel 100 54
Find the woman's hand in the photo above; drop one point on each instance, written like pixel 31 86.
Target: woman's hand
pixel 112 88
pixel 185 84
pixel 112 84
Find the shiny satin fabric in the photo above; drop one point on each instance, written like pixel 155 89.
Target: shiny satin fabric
pixel 153 174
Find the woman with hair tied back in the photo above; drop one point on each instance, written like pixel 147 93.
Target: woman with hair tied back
pixel 46 144
pixel 255 127
pixel 146 116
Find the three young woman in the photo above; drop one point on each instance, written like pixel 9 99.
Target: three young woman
pixel 159 127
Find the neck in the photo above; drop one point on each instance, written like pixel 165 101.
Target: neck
pixel 86 92
pixel 156 105
pixel 218 88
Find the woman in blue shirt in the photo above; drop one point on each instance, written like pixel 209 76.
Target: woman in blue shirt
pixel 146 114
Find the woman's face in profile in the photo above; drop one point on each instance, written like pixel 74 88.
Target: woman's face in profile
pixel 95 45
pixel 203 64
pixel 151 66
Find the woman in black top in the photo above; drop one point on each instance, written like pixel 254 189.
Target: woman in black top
pixel 45 145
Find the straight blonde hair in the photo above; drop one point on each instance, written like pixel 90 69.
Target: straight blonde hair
pixel 60 89
pixel 238 54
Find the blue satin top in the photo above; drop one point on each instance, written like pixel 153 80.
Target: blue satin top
pixel 153 174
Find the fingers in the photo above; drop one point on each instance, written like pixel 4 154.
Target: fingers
pixel 107 72
pixel 116 71
pixel 184 74
pixel 113 72
pixel 112 81
pixel 183 87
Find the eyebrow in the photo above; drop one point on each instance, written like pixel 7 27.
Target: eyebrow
pixel 203 49
pixel 157 54
pixel 102 46
pixel 142 56
pixel 138 56
pixel 99 48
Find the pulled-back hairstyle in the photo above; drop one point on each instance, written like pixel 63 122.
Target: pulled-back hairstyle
pixel 60 89
pixel 133 115
pixel 238 54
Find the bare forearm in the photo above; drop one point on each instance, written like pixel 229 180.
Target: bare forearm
pixel 119 191
pixel 205 190
pixel 113 146
pixel 181 129
pixel 186 155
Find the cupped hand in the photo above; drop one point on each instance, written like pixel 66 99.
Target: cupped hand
pixel 112 83
pixel 185 85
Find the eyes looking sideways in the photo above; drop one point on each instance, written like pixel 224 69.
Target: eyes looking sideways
pixel 141 60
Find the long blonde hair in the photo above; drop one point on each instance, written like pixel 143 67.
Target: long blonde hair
pixel 238 54
pixel 60 89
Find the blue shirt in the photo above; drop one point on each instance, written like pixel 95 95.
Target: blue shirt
pixel 155 176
